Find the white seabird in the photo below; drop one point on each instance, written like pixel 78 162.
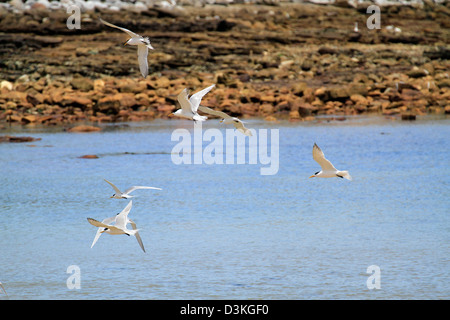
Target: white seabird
pixel 238 124
pixel 126 195
pixel 328 170
pixel 142 43
pixel 189 106
pixel 119 227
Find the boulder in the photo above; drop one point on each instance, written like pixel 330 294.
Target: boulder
pixel 84 128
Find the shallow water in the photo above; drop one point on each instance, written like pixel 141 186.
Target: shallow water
pixel 226 231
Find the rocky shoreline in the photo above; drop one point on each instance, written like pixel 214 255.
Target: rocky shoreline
pixel 285 61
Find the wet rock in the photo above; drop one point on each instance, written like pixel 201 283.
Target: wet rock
pixel 447 109
pixel 306 109
pixel 14 139
pixel 89 156
pixel 294 115
pixel 84 128
pixel 270 118
pixel 408 116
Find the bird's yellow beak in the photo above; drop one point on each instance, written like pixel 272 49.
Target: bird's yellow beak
pixel 111 197
pixel 125 43
pixel 312 176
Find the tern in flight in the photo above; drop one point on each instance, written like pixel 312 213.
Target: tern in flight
pixel 117 225
pixel 328 170
pixel 142 43
pixel 126 195
pixel 189 106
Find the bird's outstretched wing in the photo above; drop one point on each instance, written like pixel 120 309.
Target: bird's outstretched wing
pixel 213 112
pixel 122 217
pixel 106 221
pixel 319 157
pixel 114 187
pixel 138 237
pixel 130 33
pixel 239 125
pixel 142 58
pixel 97 223
pixel 128 191
pixel 184 102
pixel 196 98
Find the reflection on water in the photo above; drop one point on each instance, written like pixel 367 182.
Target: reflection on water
pixel 225 231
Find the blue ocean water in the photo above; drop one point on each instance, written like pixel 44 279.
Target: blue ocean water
pixel 224 231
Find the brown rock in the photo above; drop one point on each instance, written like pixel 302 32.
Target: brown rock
pixel 35 99
pixel 447 109
pixel 320 92
pixel 162 82
pixel 15 118
pixel 17 139
pixel 75 100
pixel 84 128
pixel 250 109
pixel 305 109
pixel 89 156
pixel 82 84
pixel 408 116
pixel 409 94
pixel 270 118
pixel 29 118
pixel 338 93
pixel 294 115
pixel 359 99
pixel 299 88
pixel 356 88
pixel 266 109
pixel 109 104
pixel 127 100
pixel 99 84
pixel 267 99
pixel 417 73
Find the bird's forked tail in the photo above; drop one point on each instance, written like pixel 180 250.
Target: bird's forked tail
pixel 345 175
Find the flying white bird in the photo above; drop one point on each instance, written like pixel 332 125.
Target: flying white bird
pixel 142 43
pixel 328 170
pixel 189 106
pixel 126 195
pixel 238 124
pixel 3 288
pixel 119 227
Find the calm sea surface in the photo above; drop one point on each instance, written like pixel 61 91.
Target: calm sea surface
pixel 225 231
